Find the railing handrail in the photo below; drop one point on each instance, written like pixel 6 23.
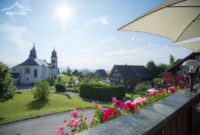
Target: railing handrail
pixel 150 119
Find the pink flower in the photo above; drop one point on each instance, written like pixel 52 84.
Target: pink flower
pixel 72 122
pixel 118 103
pixel 60 130
pixel 152 93
pixel 198 108
pixel 160 90
pixel 129 105
pixel 140 100
pixel 114 99
pixel 171 89
pixel 74 113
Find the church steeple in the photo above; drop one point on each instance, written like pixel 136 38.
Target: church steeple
pixel 54 53
pixel 54 63
pixel 33 52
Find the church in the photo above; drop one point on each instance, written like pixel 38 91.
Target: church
pixel 34 69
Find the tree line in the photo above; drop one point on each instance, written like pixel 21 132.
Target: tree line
pixel 158 69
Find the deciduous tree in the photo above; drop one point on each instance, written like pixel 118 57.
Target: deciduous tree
pixel 7 88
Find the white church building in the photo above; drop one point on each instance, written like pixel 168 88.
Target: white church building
pixel 34 70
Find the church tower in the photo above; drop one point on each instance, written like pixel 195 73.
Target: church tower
pixel 54 63
pixel 33 53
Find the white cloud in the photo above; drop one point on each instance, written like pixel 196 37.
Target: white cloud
pixel 15 35
pixel 103 20
pixel 76 31
pixel 61 40
pixel 132 39
pixel 103 56
pixel 140 55
pixel 111 38
pixel 108 40
pixel 102 41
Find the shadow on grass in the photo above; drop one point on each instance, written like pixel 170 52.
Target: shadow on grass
pixel 1 119
pixel 37 104
pixel 99 102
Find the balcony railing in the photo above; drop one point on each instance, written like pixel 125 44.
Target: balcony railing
pixel 173 115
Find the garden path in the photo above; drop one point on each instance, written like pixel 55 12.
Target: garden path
pixel 45 125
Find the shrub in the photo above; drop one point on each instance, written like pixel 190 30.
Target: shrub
pixel 51 81
pixel 59 79
pixel 73 89
pixel 7 89
pixel 140 88
pixel 41 91
pixel 60 87
pixel 157 80
pixel 101 92
pixel 174 80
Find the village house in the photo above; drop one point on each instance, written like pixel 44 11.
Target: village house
pixel 101 73
pixel 130 75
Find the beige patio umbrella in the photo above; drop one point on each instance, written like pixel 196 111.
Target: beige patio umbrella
pixel 176 20
pixel 192 44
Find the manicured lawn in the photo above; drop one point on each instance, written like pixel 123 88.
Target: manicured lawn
pixel 23 106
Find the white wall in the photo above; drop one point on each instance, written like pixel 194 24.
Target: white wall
pixel 29 78
pixel 43 73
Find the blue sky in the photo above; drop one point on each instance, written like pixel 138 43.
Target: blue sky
pixel 84 33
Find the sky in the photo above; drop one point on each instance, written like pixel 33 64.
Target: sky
pixel 83 32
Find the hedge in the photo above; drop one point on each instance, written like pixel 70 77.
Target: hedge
pixel 60 87
pixel 101 92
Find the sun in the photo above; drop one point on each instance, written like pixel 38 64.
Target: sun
pixel 63 13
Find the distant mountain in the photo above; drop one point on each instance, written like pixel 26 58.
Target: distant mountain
pixel 83 70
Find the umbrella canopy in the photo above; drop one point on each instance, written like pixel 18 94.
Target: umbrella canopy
pixel 176 20
pixel 192 44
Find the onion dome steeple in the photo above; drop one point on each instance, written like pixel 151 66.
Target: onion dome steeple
pixel 33 52
pixel 54 54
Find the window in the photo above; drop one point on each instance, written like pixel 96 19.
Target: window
pixel 35 73
pixel 27 71
pixel 13 69
pixel 121 81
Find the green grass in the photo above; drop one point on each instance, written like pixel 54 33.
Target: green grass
pixel 73 89
pixel 66 78
pixel 24 106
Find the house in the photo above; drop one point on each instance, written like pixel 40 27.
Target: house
pixel 129 75
pixel 33 69
pixel 178 69
pixel 101 73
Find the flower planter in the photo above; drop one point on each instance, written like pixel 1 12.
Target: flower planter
pixel 172 114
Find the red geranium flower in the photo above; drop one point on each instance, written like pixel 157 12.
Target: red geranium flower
pixel 129 105
pixel 108 113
